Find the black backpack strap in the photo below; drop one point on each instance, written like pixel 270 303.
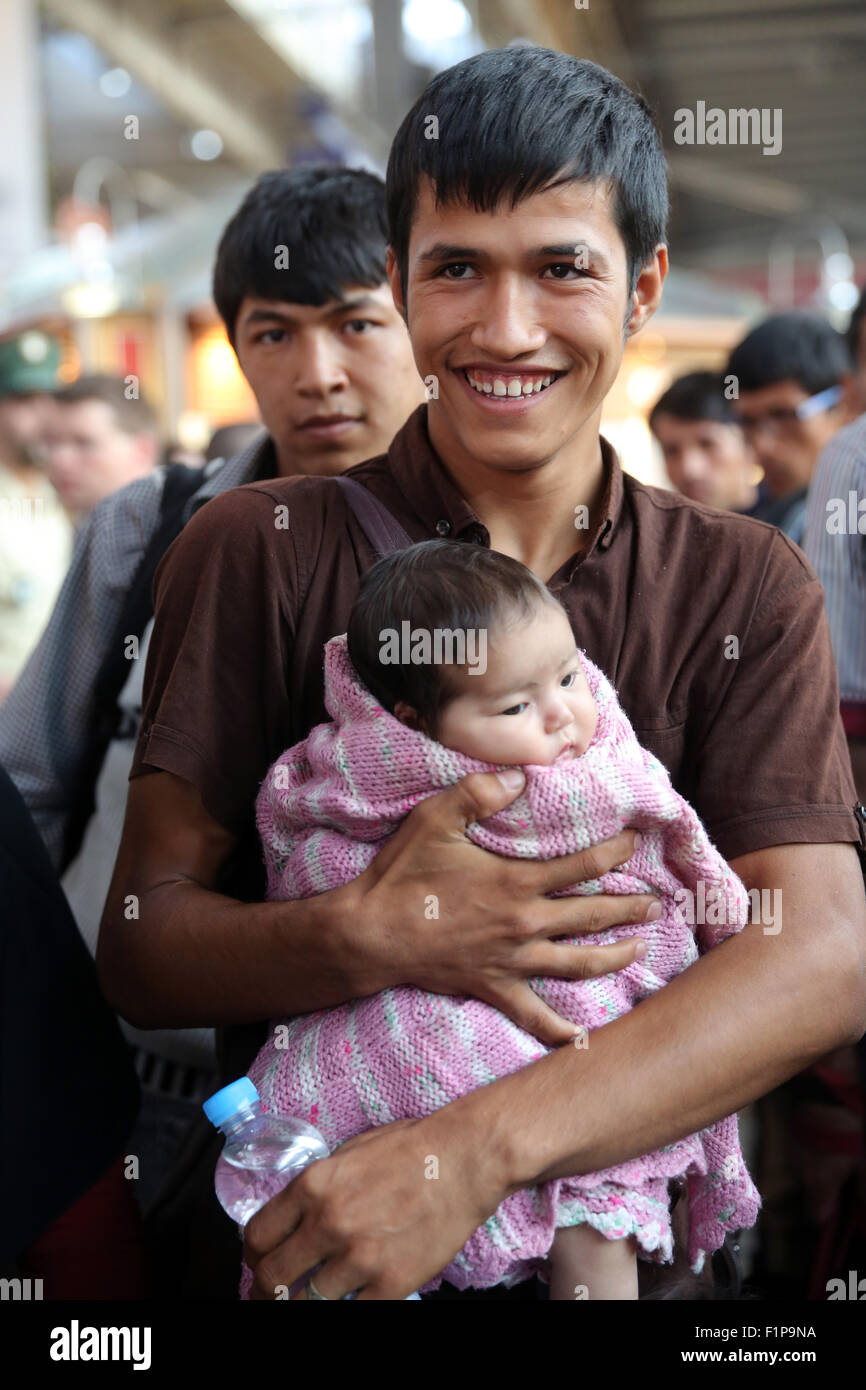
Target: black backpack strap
pixel 381 528
pixel 179 485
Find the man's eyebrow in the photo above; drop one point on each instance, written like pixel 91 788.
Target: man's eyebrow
pixel 568 250
pixel 345 306
pixel 448 251
pixel 276 315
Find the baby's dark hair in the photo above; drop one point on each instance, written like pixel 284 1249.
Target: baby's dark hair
pixel 445 586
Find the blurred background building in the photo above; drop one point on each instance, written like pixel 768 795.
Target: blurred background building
pixel 130 130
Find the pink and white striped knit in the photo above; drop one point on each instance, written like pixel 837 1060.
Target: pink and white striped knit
pixel 327 807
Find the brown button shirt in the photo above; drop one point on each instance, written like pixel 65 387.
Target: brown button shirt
pixel 711 626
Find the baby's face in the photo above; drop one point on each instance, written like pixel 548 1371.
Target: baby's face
pixel 532 705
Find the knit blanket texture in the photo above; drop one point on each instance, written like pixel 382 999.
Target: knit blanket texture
pixel 329 805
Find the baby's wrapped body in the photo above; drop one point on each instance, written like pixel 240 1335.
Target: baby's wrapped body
pixel 325 810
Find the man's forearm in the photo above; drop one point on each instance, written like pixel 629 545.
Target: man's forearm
pixel 193 958
pixel 754 1011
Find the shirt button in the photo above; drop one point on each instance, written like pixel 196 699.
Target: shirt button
pixel 443 528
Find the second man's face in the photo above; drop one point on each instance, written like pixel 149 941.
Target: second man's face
pixel 333 383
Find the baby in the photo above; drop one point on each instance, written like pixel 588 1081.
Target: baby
pixel 457 659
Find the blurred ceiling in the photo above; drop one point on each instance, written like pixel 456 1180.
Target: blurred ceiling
pixel 281 79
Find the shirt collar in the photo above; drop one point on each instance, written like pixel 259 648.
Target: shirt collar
pixel 424 482
pixel 257 460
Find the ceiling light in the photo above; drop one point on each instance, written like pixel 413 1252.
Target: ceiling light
pixel 447 19
pixel 115 83
pixel 206 144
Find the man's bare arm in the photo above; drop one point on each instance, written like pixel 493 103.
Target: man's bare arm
pixel 173 952
pixel 750 1013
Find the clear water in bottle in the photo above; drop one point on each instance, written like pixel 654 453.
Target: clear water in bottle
pixel 262 1160
pixel 262 1154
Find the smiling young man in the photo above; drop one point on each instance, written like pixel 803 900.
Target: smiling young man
pixel 527 245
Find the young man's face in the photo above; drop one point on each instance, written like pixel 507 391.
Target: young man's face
pixel 787 448
pixel 706 460
pixel 501 302
pixel 89 455
pixel 333 384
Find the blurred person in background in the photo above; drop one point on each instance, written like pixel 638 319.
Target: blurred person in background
pixel 705 453
pixel 99 439
pixel 789 374
pixel 35 534
pixel 835 542
pixel 68 1091
pixel 798 382
pixel 854 380
pixel 329 360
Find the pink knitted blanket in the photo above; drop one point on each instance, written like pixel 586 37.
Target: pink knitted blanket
pixel 327 807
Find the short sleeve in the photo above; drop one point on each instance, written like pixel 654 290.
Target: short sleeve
pixel 773 767
pixel 215 687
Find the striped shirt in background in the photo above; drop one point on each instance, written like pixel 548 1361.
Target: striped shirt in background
pixel 835 543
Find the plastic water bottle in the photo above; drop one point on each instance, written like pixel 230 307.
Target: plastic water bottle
pixel 262 1153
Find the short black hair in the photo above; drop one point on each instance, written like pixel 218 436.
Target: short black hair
pixel 444 584
pixel 853 334
pixel 331 223
pixel 514 121
pixel 132 413
pixel 799 346
pixel 695 396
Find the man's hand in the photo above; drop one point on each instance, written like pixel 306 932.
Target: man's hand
pixel 189 956
pixel 494 927
pixel 374 1215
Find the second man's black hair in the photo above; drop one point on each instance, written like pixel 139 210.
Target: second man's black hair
pixel 326 222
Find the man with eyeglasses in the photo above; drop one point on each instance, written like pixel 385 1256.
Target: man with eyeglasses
pixel 789 403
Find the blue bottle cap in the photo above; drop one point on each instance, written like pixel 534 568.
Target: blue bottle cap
pixel 227 1102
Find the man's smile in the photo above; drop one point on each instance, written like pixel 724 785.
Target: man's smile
pixel 511 390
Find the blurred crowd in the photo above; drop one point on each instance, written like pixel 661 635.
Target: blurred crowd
pixel 63 449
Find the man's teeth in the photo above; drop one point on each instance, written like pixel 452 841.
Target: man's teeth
pixel 514 386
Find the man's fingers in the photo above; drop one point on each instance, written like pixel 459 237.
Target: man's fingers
pixel 471 799
pixel 273 1222
pixel 446 815
pixel 597 913
pixel 584 962
pixel 522 1005
pixel 584 865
